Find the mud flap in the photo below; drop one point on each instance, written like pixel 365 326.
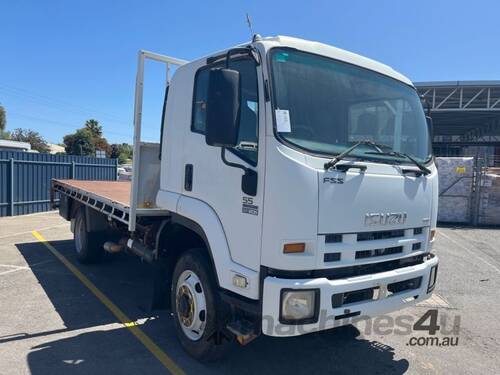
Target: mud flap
pixel 161 286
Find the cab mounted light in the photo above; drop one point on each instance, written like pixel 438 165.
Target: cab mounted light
pixel 240 281
pixel 297 247
pixel 432 235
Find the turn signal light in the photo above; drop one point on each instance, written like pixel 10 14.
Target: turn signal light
pixel 298 247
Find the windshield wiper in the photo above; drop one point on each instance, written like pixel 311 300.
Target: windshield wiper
pixel 340 156
pixel 420 166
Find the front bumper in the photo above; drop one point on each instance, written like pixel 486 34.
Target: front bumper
pixel 329 315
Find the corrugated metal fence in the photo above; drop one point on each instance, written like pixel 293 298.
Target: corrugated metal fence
pixel 25 178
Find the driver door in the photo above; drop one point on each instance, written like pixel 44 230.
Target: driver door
pixel 218 184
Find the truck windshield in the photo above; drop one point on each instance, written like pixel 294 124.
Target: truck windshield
pixel 324 106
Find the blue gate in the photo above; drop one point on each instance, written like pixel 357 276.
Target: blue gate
pixel 25 178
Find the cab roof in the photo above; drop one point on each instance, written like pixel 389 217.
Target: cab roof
pixel 334 53
pixel 319 49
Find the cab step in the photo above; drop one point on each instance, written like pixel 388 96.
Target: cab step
pixel 244 330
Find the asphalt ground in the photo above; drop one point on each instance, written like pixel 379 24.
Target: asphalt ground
pixel 59 317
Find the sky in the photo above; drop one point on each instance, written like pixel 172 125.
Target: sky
pixel 63 62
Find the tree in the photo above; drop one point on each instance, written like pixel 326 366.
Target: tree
pixel 32 137
pixel 122 152
pixel 87 140
pixel 94 127
pixel 3 124
pixel 103 145
pixel 3 118
pixel 80 143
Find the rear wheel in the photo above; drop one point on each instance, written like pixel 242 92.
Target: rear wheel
pixel 88 245
pixel 199 316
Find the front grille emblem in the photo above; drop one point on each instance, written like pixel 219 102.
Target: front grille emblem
pixel 392 218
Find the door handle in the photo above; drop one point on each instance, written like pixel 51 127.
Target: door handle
pixel 188 177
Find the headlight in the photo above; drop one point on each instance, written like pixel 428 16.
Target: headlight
pixel 299 306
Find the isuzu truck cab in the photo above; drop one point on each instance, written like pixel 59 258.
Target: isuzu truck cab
pixel 293 189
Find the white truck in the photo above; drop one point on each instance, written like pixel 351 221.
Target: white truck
pixel 293 188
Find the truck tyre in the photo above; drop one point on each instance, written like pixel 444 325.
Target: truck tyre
pixel 88 245
pixel 199 316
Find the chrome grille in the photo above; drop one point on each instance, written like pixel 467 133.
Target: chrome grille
pixel 359 248
pixel 378 252
pixel 380 235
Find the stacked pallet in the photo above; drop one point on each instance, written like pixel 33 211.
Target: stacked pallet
pixel 489 204
pixel 455 188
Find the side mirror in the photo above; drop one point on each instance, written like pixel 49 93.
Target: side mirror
pixel 223 108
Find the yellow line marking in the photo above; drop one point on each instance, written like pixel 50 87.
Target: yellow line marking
pixel 29 231
pixel 120 315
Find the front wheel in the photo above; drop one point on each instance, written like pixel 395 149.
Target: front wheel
pixel 199 316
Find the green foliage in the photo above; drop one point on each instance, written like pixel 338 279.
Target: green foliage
pixel 3 119
pixel 123 158
pixel 122 152
pixel 4 134
pixel 94 127
pixel 80 143
pixel 87 140
pixel 32 137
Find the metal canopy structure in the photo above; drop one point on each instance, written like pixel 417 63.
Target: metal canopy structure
pixel 465 113
pixel 462 95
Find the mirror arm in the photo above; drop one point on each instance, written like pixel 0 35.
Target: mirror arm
pixel 249 178
pixel 255 54
pixel 251 50
pixel 229 163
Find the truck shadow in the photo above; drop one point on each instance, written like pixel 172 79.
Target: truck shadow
pixel 123 278
pixel 101 346
pixel 339 351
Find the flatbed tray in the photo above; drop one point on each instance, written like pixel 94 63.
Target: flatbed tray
pixel 114 191
pixel 105 196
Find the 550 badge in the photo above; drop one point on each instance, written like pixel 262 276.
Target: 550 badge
pixel 248 207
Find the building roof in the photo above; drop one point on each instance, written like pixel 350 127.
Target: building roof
pixel 468 109
pixel 14 145
pixel 461 95
pixel 54 149
pixel 457 83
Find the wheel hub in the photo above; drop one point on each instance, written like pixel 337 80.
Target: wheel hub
pixel 191 305
pixel 185 306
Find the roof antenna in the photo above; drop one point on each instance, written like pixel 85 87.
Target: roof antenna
pixel 249 22
pixel 255 37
